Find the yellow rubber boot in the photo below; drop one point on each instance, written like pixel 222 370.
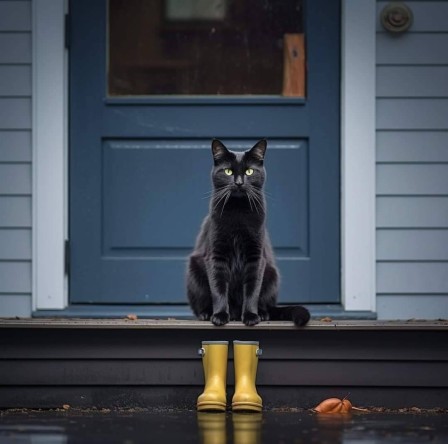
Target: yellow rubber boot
pixel 245 355
pixel 214 361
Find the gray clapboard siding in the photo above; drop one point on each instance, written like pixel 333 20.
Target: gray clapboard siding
pixel 15 80
pixel 428 16
pixel 412 146
pixel 15 158
pixel 412 49
pixel 412 168
pixel 15 146
pixel 15 48
pixel 421 306
pixel 15 277
pixel 15 244
pixel 412 179
pixel 12 305
pixel 15 113
pixel 411 212
pixel 412 245
pixel 412 81
pixel 412 114
pixel 15 15
pixel 15 211
pixel 15 179
pixel 412 278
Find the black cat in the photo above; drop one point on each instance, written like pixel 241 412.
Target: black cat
pixel 231 273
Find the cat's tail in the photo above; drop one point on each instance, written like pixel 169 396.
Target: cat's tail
pixel 296 313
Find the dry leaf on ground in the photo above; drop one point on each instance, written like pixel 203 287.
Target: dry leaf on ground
pixel 336 405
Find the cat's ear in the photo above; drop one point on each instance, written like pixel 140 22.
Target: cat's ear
pixel 258 150
pixel 219 150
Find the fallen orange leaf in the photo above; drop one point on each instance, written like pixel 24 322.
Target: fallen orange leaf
pixel 336 405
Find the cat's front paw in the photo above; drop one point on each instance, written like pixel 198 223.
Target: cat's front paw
pixel 251 319
pixel 204 316
pixel 220 318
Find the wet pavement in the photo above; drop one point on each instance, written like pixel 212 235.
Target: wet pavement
pixel 132 427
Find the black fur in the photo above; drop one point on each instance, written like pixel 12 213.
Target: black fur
pixel 231 273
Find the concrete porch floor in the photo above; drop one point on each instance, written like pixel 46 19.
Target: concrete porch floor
pixel 132 427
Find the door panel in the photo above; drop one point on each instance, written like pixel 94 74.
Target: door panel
pixel 140 169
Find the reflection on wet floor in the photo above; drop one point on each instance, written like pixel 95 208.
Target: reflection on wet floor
pixel 246 427
pixel 130 427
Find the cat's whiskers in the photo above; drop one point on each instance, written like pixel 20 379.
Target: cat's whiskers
pixel 250 203
pixel 255 204
pixel 258 194
pixel 257 200
pixel 210 193
pixel 225 201
pixel 222 194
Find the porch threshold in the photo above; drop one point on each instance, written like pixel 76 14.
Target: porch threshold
pixel 180 311
pixel 181 324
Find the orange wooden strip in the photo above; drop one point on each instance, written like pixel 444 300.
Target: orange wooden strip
pixel 294 65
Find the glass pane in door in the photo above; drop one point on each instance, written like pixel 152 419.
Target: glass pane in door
pixel 206 47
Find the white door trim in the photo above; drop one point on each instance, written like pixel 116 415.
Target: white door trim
pixel 50 167
pixel 358 155
pixel 49 126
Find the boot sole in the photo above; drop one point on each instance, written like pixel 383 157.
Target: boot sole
pixel 212 406
pixel 246 406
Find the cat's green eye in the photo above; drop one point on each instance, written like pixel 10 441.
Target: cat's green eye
pixel 249 172
pixel 228 171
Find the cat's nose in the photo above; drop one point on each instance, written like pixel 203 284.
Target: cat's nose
pixel 239 181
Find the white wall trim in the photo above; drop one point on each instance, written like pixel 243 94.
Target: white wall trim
pixel 49 154
pixel 358 154
pixel 50 167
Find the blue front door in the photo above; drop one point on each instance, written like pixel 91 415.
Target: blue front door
pixel 140 133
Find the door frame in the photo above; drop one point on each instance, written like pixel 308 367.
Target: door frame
pixel 50 153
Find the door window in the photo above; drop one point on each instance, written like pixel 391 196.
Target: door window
pixel 206 47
